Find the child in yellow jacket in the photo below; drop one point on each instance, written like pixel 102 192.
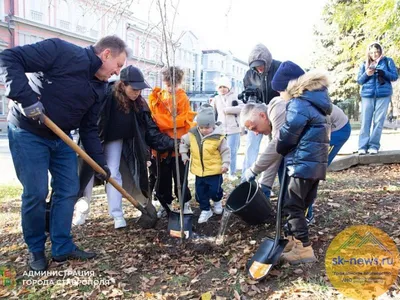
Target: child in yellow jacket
pixel 210 158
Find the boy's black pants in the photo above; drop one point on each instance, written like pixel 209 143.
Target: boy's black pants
pixel 300 193
pixel 167 172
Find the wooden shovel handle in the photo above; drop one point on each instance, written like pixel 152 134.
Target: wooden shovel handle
pixel 61 134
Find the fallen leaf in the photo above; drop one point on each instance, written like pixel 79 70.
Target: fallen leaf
pixel 298 271
pixel 206 296
pixel 110 272
pixel 233 271
pixel 194 280
pixel 129 270
pixel 115 293
pixel 236 295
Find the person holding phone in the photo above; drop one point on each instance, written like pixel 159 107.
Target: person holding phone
pixel 375 77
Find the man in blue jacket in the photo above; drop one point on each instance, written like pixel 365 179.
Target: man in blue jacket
pixel 55 78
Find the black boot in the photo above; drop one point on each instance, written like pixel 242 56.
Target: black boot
pixel 76 254
pixel 37 261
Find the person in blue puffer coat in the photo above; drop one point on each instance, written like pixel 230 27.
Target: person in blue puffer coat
pixel 375 77
pixel 304 142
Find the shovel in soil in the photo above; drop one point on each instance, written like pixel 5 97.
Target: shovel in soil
pixel 180 224
pixel 270 250
pixel 149 214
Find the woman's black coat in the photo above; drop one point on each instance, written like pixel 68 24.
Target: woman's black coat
pixel 135 151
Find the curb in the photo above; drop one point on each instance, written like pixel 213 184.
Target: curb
pixel 383 157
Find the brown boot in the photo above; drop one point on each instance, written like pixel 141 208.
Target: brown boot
pixel 289 246
pixel 299 254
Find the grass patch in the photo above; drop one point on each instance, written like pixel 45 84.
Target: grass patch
pixel 179 280
pixel 10 192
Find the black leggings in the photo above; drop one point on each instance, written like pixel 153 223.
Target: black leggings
pixel 167 172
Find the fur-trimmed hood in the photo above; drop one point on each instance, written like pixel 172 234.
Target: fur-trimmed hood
pixel 260 52
pixel 312 87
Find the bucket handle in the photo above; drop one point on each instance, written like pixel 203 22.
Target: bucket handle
pixel 248 195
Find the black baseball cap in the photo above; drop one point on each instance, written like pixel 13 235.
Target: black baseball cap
pixel 257 63
pixel 134 77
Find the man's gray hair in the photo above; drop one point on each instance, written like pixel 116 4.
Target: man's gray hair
pixel 250 110
pixel 114 43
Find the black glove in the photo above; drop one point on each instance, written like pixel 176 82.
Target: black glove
pixel 380 72
pixel 104 177
pixel 235 103
pixel 34 111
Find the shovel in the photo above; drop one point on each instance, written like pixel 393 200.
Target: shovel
pixel 149 214
pixel 270 250
pixel 180 224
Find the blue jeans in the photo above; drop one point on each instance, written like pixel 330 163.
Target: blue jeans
pixel 253 142
pixel 33 157
pixel 373 110
pixel 233 143
pixel 338 139
pixel 208 187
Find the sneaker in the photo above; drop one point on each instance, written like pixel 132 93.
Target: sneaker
pixel 79 218
pixel 232 177
pixel 119 222
pixel 82 208
pixel 162 212
pixel 372 151
pixel 362 152
pixel 37 261
pixel 204 216
pixel 299 254
pixel 77 254
pixel 187 209
pixel 218 207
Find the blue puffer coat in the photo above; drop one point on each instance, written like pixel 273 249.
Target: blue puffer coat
pixel 370 85
pixel 304 138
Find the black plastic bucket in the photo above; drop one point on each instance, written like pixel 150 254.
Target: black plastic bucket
pixel 250 204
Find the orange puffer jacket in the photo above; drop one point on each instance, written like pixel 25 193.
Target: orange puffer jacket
pixel 160 104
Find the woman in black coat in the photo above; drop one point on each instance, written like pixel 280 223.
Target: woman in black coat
pixel 126 130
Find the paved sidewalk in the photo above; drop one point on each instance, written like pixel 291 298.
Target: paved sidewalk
pixel 390 141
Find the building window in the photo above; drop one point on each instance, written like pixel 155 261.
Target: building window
pixel 24 39
pixel 211 64
pixel 153 51
pixel 131 43
pixel 3 105
pixel 64 22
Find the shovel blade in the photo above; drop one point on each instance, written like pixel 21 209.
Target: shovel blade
pixel 174 225
pixel 266 256
pixel 148 219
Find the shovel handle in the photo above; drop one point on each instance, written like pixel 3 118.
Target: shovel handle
pixel 61 134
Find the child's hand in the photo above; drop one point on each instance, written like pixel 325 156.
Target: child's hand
pixel 148 164
pixel 185 158
pixel 224 170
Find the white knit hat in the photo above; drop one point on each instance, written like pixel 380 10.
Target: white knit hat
pixel 224 81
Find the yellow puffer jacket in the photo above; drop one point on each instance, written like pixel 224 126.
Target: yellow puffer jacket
pixel 206 159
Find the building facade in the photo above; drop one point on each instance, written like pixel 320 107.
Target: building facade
pixel 83 22
pixel 216 64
